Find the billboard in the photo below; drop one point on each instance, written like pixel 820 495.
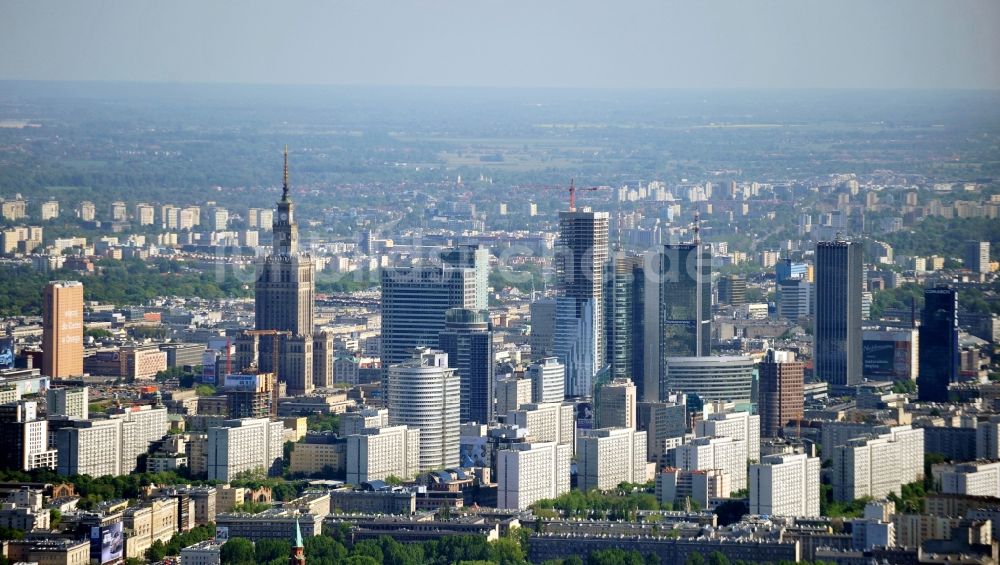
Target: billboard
pixel 889 354
pixel 6 353
pixel 221 534
pixel 584 416
pixel 107 543
pixel 208 359
pixel 878 358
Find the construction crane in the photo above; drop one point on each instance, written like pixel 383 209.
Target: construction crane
pixel 572 191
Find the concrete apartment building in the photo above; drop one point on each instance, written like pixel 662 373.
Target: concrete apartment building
pixel 674 485
pixel 529 472
pixel 608 456
pixel 377 453
pixel 141 426
pixel 365 418
pixel 90 447
pixel 737 425
pixel 319 453
pixel 876 466
pixel 244 445
pixel 512 393
pixel 665 424
pixel 70 402
pixel 785 485
pixel 547 422
pixel 975 478
pixel 722 453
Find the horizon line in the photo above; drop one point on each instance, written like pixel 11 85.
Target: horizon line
pixel 99 82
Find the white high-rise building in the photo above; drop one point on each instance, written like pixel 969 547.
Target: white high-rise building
pixel 737 425
pixel 609 456
pixel 785 485
pixel 424 394
pixel 70 402
pixel 548 421
pixel 250 444
pixel 876 466
pixel 976 478
pixel 90 447
pixel 723 453
pixel 512 393
pixel 548 380
pixel 24 438
pixel 529 472
pixel 141 426
pixel 377 453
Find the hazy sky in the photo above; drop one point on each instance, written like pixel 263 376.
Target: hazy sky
pixel 563 43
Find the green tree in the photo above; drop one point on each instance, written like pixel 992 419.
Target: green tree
pixel 694 559
pixel 237 551
pixel 156 552
pixel 269 549
pixel 717 558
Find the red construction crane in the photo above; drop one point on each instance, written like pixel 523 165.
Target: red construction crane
pixel 572 191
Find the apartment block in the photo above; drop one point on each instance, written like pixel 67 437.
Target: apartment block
pixel 785 485
pixel 609 456
pixel 529 472
pixel 377 453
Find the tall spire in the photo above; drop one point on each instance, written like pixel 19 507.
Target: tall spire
pixel 298 534
pixel 284 186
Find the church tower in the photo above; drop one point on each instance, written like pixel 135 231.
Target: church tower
pixel 298 554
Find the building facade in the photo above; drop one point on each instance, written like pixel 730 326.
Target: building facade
pixel 785 485
pixel 467 338
pixel 781 392
pixel 939 353
pixel 424 394
pixel 837 333
pixel 62 329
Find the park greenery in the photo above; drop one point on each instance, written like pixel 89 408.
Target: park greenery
pixel 323 423
pixel 126 282
pixel 331 549
pixel 596 504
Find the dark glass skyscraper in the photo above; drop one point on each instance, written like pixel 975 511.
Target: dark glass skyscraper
pixel 938 344
pixel 837 336
pixel 685 283
pixel 468 340
pixel 677 307
pixel 623 318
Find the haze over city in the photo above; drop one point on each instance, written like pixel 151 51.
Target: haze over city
pixel 560 43
pixel 512 283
